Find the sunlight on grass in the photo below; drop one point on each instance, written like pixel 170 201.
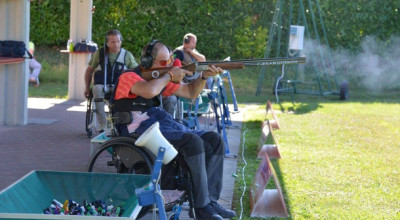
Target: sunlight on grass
pixel 54 74
pixel 49 90
pixel 339 160
pixel 54 64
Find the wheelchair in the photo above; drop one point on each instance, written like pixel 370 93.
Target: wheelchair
pixel 91 121
pixel 119 154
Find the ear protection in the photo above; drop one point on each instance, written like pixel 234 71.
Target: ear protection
pixel 147 60
pixel 186 40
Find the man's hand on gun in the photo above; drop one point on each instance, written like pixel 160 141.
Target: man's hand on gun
pixel 179 73
pixel 212 71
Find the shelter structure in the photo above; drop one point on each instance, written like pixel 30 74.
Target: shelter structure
pixel 14 23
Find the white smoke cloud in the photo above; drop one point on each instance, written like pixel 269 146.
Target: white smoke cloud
pixel 378 64
pixel 376 67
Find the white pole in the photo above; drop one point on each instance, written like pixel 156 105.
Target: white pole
pixel 14 25
pixel 80 30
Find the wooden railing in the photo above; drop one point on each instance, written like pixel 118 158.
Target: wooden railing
pixel 11 60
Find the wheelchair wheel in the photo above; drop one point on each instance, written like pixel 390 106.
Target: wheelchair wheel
pixel 89 123
pixel 176 185
pixel 173 198
pixel 121 155
pixel 344 91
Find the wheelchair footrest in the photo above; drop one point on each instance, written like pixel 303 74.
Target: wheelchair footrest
pixel 146 196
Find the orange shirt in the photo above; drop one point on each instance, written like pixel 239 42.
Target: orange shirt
pixel 128 79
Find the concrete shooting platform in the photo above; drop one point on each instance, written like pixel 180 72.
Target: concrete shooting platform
pixel 55 139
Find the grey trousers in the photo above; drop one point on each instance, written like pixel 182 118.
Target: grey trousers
pixel 35 66
pixel 205 158
pixel 98 92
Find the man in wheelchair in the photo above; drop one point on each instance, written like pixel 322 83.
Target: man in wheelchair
pixel 108 63
pixel 203 151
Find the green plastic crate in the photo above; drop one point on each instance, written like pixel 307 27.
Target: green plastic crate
pixel 204 106
pixel 30 195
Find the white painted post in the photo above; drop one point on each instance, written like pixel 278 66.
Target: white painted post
pixel 80 29
pixel 14 25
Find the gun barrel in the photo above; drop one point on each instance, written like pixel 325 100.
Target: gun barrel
pixel 239 64
pixel 276 61
pixel 150 74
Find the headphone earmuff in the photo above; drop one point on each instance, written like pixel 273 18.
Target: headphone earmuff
pixel 186 40
pixel 147 60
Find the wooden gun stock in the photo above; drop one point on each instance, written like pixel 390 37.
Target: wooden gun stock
pixel 149 74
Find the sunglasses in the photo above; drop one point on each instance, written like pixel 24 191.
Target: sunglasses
pixel 166 62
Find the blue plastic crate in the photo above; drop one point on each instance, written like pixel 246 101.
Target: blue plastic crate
pixel 30 195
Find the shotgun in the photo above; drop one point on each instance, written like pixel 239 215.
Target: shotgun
pixel 149 74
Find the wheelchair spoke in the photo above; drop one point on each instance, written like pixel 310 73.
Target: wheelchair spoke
pixel 171 195
pixel 172 198
pixel 104 163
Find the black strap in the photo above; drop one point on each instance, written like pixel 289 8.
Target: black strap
pixel 29 54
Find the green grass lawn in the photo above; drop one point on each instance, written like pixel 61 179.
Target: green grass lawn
pixel 50 90
pixel 54 74
pixel 340 159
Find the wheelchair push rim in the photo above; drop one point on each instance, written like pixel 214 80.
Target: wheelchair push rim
pixel 121 155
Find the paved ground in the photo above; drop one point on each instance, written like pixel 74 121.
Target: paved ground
pixel 55 139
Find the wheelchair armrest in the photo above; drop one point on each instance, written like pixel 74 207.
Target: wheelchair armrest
pixel 134 135
pixel 122 118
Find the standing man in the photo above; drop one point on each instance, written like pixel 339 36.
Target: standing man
pixel 187 52
pixel 108 63
pixel 203 151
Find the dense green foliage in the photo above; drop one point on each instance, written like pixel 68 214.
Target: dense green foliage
pixel 353 20
pixel 240 30
pixel 363 35
pixel 49 22
pixel 237 28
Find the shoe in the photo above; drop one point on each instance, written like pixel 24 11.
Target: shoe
pixel 100 129
pixel 225 213
pixel 206 213
pixel 32 80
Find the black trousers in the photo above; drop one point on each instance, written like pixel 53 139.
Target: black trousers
pixel 204 156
